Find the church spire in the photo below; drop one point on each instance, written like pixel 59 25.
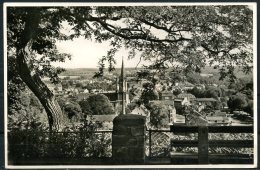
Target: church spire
pixel 123 86
pixel 122 76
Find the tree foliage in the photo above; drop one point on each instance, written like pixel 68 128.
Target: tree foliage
pixel 197 92
pixel 25 112
pixel 71 108
pixel 149 93
pixel 237 102
pixel 193 34
pixel 176 92
pixel 176 76
pixel 97 104
pixel 159 114
pixel 241 96
pixel 250 107
pixel 208 92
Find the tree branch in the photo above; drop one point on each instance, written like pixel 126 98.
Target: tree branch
pixel 213 51
pixel 144 36
pixel 169 30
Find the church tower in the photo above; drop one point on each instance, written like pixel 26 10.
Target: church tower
pixel 121 90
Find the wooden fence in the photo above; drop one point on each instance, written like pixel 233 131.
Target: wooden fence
pixel 22 151
pixel 203 143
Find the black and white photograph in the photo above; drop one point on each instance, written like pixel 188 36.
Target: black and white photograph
pixel 130 85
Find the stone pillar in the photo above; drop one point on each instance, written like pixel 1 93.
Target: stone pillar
pixel 128 139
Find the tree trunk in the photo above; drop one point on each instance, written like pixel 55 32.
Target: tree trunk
pixel 41 91
pixel 32 80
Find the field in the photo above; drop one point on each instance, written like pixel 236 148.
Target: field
pixel 91 71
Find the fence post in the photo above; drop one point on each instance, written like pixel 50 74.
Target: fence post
pixel 27 144
pixel 128 139
pixel 203 156
pixel 150 143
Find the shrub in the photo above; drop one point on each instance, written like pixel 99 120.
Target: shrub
pixel 78 142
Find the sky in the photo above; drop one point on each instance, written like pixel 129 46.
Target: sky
pixel 86 54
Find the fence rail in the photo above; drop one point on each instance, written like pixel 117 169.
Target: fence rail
pixel 214 143
pixel 203 144
pixel 211 129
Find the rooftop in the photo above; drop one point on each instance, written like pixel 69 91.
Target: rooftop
pixel 188 95
pixel 164 102
pixel 205 99
pixel 167 93
pixel 213 118
pixel 102 118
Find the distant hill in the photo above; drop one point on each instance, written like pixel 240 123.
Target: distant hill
pixel 238 72
pixel 91 71
pixel 78 71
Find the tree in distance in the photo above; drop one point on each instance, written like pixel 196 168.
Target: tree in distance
pixel 96 104
pixel 159 114
pixel 237 102
pixel 71 108
pixel 149 93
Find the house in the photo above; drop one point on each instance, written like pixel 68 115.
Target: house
pixel 158 86
pixel 166 95
pixel 184 99
pixel 200 86
pixel 218 113
pixel 206 75
pixel 131 81
pixel 185 85
pixel 217 117
pixel 204 102
pixel 217 120
pixel 96 91
pixel 54 88
pixel 181 102
pixel 188 86
pixel 179 119
pixel 135 81
pixel 141 110
pixel 190 97
pixel 72 91
pixel 86 91
pixel 82 96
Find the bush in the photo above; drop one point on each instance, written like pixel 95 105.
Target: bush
pixel 78 142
